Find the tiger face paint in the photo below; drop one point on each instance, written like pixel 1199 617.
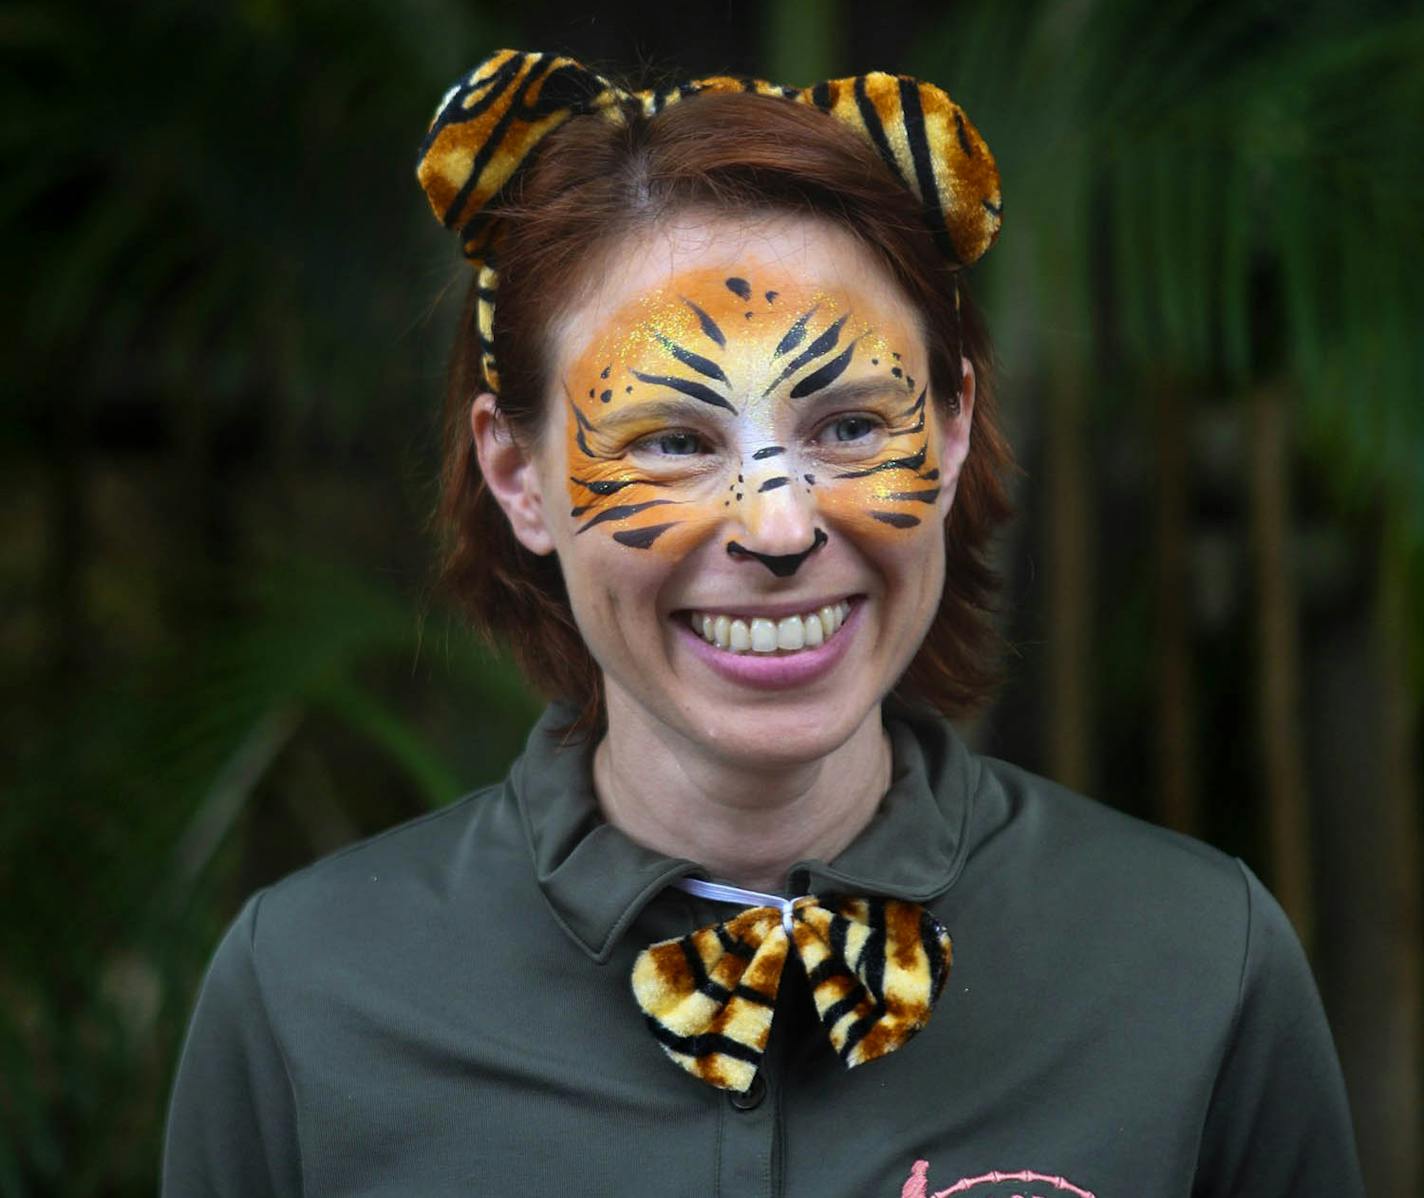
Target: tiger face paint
pixel 701 398
pixel 740 423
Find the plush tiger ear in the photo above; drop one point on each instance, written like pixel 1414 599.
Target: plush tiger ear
pixel 922 135
pixel 925 138
pixel 486 125
pixel 483 130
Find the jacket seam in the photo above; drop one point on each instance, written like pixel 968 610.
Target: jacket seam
pixel 376 838
pixel 1234 1029
pixel 276 1039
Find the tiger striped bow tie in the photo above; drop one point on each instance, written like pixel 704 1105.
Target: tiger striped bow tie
pixel 875 966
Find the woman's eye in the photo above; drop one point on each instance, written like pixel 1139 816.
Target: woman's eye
pixel 849 428
pixel 675 444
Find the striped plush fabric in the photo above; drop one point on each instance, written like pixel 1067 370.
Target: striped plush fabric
pixel 489 122
pixel 875 966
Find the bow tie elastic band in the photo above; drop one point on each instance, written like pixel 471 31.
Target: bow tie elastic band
pixel 875 967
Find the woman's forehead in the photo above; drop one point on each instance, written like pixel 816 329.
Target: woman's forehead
pixel 732 270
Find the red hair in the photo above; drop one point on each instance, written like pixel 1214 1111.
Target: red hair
pixel 590 184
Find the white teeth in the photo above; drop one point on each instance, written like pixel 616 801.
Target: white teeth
pixel 761 634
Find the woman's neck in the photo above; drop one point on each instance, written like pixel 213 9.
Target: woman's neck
pixel 747 825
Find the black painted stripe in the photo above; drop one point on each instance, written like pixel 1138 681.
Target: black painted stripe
pixel 641 538
pixel 794 335
pixel 772 484
pixel 896 519
pixel 928 496
pixel 703 366
pixel 583 426
pixel 620 512
pixel 918 405
pixel 769 452
pixel 821 96
pixel 709 326
pixel 822 345
pixel 824 376
pixel 913 462
pixel 930 475
pixel 688 387
pixel 608 486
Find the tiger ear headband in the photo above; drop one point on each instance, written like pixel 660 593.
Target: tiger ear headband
pixel 488 124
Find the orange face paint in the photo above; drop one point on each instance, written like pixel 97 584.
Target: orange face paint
pixel 702 402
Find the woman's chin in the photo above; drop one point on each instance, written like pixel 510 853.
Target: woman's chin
pixel 769 735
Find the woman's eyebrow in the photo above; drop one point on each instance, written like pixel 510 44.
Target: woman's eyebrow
pixel 639 412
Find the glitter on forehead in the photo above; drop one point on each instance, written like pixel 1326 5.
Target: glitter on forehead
pixel 642 326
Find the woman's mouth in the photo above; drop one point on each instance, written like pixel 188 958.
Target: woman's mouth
pixel 756 650
pixel 770 635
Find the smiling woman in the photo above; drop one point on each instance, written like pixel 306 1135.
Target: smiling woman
pixel 722 465
pixel 581 217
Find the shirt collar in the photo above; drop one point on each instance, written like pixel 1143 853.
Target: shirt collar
pixel 596 880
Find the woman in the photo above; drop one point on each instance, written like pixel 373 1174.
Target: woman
pixel 722 464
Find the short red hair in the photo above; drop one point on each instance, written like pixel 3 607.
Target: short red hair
pixel 591 183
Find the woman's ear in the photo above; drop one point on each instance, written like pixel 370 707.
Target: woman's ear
pixel 954 438
pixel 511 475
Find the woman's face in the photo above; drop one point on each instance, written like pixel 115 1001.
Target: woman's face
pixel 745 476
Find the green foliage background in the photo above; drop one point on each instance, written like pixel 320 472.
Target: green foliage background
pixel 226 329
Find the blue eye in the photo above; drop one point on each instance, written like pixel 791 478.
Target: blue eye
pixel 852 428
pixel 676 444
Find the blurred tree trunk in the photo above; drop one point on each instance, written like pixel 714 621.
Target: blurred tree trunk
pixel 1402 991
pixel 1362 751
pixel 1278 660
pixel 1176 733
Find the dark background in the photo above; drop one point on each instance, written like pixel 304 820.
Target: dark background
pixel 226 316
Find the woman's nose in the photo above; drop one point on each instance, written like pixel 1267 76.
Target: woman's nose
pixel 779 524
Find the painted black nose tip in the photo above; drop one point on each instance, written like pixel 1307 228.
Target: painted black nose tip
pixel 783 565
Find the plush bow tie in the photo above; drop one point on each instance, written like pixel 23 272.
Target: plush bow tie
pixel 875 967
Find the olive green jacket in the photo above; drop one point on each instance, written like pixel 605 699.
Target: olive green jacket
pixel 445 1009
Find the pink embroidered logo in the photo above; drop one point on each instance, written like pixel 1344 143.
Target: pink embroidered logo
pixel 992 1185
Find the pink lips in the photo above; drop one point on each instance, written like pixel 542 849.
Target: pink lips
pixel 770 671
